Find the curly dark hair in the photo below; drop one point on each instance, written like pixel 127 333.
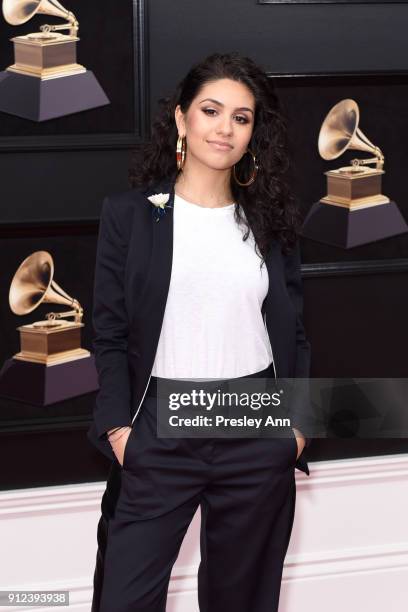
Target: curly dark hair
pixel 268 203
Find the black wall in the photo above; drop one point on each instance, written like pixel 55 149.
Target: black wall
pixel 51 196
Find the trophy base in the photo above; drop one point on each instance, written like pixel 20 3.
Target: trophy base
pixel 39 100
pixel 41 385
pixel 48 360
pixel 345 228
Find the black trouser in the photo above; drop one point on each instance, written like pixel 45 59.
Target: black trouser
pixel 246 490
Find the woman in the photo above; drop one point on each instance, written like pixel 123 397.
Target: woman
pixel 198 276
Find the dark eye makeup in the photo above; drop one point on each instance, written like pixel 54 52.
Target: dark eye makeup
pixel 212 110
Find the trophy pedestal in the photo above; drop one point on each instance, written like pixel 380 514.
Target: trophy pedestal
pixel 339 226
pixel 51 342
pixel 41 385
pixel 39 100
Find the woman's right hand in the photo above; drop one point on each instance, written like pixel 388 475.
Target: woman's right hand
pixel 118 447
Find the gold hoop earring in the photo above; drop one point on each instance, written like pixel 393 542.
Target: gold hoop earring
pixel 253 175
pixel 181 152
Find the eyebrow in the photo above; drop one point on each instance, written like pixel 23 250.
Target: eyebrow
pixel 242 108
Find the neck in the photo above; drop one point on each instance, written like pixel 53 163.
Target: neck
pixel 205 186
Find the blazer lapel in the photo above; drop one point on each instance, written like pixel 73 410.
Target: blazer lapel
pixel 158 276
pixel 149 306
pixel 275 307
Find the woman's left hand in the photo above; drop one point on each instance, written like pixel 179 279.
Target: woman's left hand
pixel 301 442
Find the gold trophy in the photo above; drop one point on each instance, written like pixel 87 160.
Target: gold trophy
pixel 45 71
pixel 354 211
pixel 51 363
pixel 52 340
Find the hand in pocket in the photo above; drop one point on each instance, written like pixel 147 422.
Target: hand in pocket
pixel 300 440
pixel 119 447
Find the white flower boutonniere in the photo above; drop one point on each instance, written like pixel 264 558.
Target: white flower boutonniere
pixel 159 200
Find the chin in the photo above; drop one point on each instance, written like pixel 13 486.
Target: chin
pixel 221 165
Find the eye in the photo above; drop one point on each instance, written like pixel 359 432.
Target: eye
pixel 209 110
pixel 245 120
pixel 211 113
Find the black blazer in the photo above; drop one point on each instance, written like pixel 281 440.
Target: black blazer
pixel 132 277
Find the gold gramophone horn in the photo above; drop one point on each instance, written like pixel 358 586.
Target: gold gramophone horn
pixel 49 341
pixel 33 284
pixel 18 12
pixel 340 132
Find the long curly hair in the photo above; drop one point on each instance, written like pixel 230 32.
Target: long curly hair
pixel 268 203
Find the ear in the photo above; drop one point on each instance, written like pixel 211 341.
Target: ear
pixel 179 117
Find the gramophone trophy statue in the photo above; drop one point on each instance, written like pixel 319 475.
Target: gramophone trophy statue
pixel 45 80
pixel 354 211
pixel 51 365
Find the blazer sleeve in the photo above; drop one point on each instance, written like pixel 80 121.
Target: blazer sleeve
pixel 110 324
pixel 302 409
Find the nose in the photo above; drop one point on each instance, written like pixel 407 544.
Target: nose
pixel 225 126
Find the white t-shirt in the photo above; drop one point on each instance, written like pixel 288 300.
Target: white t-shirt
pixel 213 325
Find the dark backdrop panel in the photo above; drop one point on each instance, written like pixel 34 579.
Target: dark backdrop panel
pixel 42 186
pixel 358 326
pixel 289 39
pixel 106 48
pixel 383 104
pixel 48 445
